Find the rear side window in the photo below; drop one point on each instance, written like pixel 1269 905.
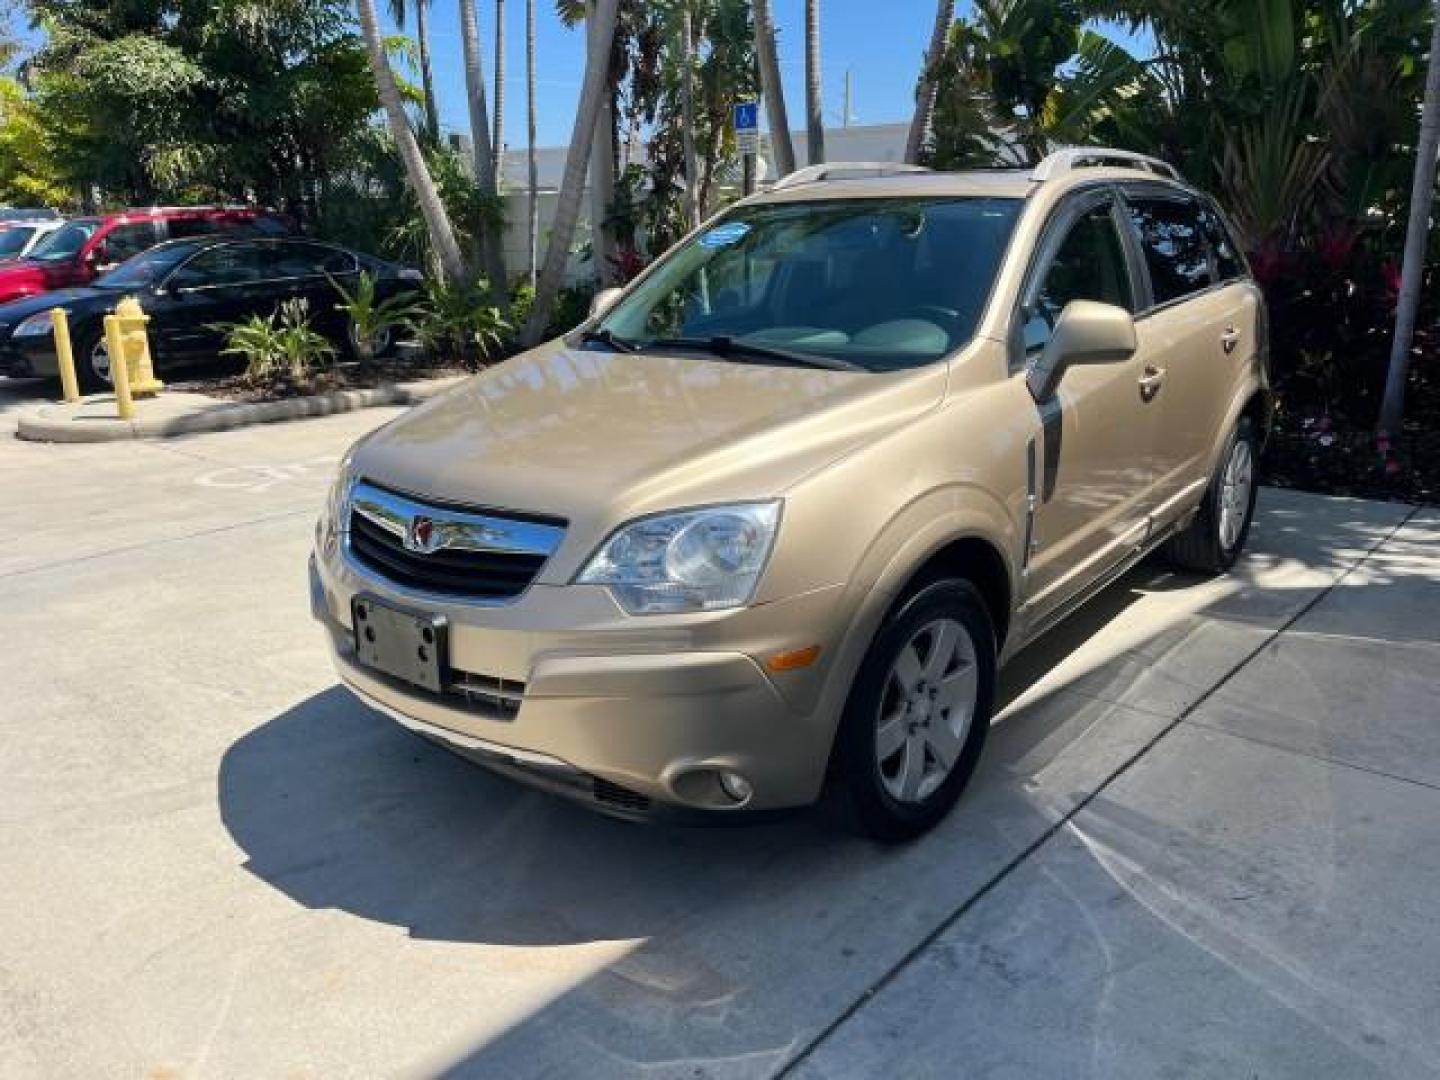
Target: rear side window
pixel 125 241
pixel 1174 244
pixel 1227 256
pixel 1088 265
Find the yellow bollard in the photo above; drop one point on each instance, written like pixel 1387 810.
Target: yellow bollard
pixel 65 355
pixel 141 369
pixel 119 369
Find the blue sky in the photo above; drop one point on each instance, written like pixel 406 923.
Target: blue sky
pixel 880 43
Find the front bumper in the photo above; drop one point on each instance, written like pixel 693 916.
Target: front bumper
pixel 632 716
pixel 24 358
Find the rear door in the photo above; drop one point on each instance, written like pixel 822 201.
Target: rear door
pixel 309 272
pixel 1093 455
pixel 1193 329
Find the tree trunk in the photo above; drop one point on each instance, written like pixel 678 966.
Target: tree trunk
pixel 577 160
pixel 773 90
pixel 442 235
pixel 925 95
pixel 814 117
pixel 427 71
pixel 1422 197
pixel 602 163
pixel 533 164
pixel 498 143
pixel 687 117
pixel 492 247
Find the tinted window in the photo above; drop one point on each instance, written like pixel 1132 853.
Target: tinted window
pixel 1174 244
pixel 1089 265
pixel 884 283
pixel 65 243
pixel 1227 256
pixel 13 241
pixel 146 268
pixel 231 264
pixel 183 227
pixel 309 260
pixel 125 241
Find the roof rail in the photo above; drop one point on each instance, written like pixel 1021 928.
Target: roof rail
pixel 844 170
pixel 1092 157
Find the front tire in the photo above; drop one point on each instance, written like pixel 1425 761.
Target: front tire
pixel 1215 539
pixel 92 362
pixel 915 723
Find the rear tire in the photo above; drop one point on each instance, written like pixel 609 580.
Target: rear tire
pixel 1215 539
pixel 916 719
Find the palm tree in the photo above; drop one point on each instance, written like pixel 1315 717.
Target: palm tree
pixel 925 96
pixel 1422 196
pixel 602 164
pixel 492 247
pixel 442 234
pixel 498 143
pixel 814 118
pixel 399 10
pixel 687 115
pixel 773 89
pixel 533 158
pixel 577 160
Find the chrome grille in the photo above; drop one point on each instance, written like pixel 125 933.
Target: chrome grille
pixel 445 550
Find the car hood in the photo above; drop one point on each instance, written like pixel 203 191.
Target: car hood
pixel 71 299
pixel 600 437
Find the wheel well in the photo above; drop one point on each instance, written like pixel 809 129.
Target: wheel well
pixel 978 562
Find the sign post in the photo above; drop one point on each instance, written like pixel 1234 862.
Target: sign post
pixel 747 138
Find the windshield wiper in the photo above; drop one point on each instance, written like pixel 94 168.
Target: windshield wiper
pixel 606 337
pixel 726 346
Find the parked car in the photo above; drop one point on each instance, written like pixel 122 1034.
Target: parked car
pixel 763 529
pixel 86 247
pixel 189 288
pixel 19 238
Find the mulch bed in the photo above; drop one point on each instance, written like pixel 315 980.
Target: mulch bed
pixel 224 382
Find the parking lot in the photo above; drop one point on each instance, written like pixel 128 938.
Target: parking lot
pixel 1202 843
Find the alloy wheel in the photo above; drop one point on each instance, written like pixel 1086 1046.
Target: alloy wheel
pixel 926 710
pixel 1235 488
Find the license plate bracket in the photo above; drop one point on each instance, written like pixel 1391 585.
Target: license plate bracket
pixel 406 645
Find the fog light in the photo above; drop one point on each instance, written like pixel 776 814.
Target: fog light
pixel 736 786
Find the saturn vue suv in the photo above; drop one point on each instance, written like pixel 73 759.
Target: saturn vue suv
pixel 759 533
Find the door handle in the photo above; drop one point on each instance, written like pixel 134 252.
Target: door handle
pixel 1151 381
pixel 1229 340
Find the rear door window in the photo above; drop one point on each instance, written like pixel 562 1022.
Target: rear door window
pixel 1173 241
pixel 309 260
pixel 1228 264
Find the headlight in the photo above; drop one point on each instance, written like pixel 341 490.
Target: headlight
pixel 331 523
pixel 691 560
pixel 37 325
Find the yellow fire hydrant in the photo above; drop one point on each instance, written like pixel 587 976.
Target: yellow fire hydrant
pixel 131 368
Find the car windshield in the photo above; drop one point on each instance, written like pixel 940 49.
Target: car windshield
pixel 65 243
pixel 148 267
pixel 879 284
pixel 12 241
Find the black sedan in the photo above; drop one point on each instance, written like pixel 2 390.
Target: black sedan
pixel 189 288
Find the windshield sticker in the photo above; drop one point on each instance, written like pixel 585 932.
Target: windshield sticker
pixel 725 235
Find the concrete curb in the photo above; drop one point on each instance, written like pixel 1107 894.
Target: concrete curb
pixel 191 414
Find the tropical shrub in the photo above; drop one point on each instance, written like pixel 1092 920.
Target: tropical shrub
pixel 458 320
pixel 374 322
pixel 287 349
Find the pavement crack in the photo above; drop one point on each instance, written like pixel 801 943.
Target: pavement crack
pixel 1064 821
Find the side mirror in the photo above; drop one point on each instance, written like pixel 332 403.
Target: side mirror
pixel 604 301
pixel 1087 332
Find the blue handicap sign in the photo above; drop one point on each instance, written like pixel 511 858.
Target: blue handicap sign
pixel 747 116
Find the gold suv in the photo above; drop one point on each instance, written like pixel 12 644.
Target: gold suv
pixel 764 527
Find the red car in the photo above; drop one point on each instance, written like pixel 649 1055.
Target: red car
pixel 86 247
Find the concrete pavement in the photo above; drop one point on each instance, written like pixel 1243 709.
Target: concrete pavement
pixel 1202 841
